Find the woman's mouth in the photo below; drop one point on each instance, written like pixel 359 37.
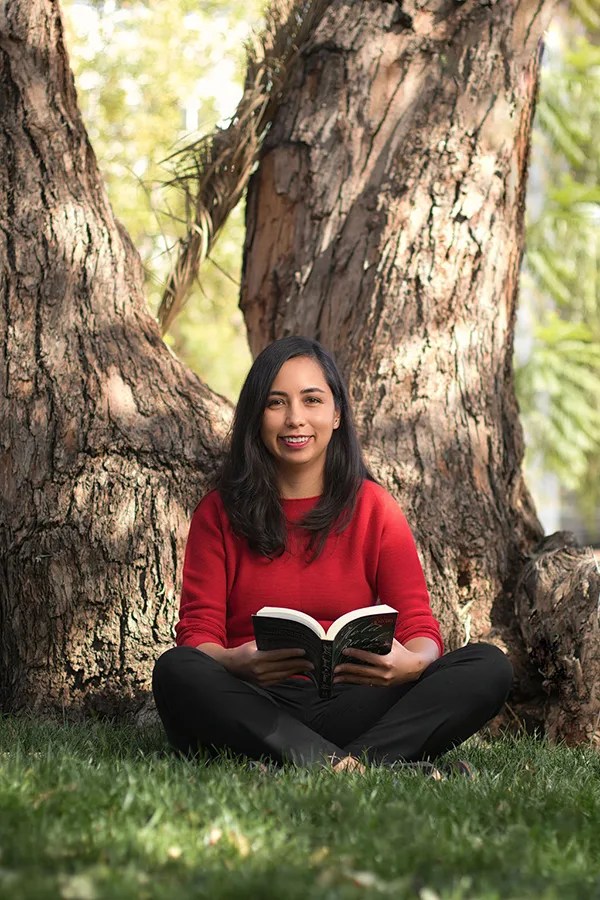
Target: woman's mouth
pixel 295 442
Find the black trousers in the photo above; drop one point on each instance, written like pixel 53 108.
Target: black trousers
pixel 204 707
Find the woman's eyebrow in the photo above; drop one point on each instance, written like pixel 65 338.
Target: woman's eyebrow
pixel 308 390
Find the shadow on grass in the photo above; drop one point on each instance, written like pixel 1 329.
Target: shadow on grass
pixel 92 811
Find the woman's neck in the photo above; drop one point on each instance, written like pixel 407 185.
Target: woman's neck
pixel 299 488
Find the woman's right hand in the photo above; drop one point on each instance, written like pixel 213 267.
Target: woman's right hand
pixel 265 667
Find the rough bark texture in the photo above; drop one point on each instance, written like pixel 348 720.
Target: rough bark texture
pixel 386 219
pixel 106 441
pixel 558 608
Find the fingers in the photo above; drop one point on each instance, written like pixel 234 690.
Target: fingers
pixel 355 669
pixel 350 673
pixel 271 668
pixel 365 655
pixel 276 655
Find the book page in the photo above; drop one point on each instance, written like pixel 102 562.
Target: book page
pixel 280 634
pixel 375 610
pixel 292 615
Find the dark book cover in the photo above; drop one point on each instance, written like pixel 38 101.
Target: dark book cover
pixel 373 632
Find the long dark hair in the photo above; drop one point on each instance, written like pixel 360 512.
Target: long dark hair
pixel 247 481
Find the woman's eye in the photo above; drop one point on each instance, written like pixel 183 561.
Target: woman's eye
pixel 313 400
pixel 272 403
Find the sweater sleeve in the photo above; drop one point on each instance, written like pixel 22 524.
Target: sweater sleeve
pixel 400 579
pixel 202 612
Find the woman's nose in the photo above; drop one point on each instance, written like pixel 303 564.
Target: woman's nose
pixel 295 414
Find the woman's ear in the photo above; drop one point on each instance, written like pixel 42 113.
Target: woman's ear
pixel 336 419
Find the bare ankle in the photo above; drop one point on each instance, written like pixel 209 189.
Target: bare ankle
pixel 349 764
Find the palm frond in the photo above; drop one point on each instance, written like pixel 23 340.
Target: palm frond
pixel 588 11
pixel 212 173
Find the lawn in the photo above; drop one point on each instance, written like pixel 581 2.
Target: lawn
pixel 100 811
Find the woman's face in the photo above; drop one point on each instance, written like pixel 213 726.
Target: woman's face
pixel 299 419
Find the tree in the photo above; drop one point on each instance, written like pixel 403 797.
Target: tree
pixel 106 437
pixel 148 77
pixel 386 219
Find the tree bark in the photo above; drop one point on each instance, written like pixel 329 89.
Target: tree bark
pixel 558 608
pixel 106 440
pixel 386 219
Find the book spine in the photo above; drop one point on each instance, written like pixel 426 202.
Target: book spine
pixel 326 686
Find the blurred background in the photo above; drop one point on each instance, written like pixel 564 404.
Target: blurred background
pixel 153 75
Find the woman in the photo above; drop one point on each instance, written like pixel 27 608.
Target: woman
pixel 297 520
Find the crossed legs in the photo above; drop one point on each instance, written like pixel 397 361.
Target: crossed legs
pixel 203 706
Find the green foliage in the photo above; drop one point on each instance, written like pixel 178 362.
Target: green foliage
pixel 98 811
pixel 564 370
pixel 150 74
pixel 559 386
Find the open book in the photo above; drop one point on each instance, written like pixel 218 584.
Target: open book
pixel 369 628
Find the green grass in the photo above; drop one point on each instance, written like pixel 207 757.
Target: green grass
pixel 99 811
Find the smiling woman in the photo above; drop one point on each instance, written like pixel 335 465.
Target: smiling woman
pixel 297 426
pixel 298 521
pixel 261 469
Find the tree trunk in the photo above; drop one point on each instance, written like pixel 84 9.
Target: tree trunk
pixel 386 219
pixel 106 441
pixel 558 608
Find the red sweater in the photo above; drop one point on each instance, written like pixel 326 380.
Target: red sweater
pixel 224 582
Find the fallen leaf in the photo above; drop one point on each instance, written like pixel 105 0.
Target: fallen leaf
pixel 77 887
pixel 213 837
pixel 365 879
pixel 427 894
pixel 240 842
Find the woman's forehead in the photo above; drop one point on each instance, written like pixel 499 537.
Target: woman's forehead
pixel 300 373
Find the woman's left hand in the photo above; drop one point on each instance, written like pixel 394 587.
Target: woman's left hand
pixel 398 666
